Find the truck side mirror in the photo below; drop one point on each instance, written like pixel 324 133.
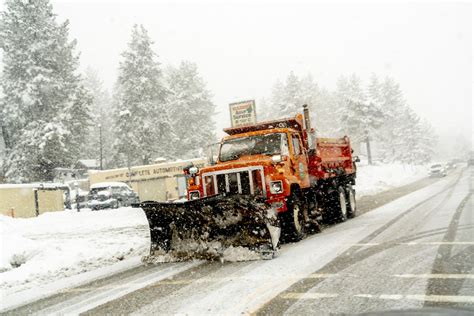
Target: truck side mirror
pixel 356 159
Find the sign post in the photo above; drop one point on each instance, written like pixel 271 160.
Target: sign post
pixel 242 113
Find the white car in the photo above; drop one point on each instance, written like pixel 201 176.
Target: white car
pixel 438 170
pixel 108 195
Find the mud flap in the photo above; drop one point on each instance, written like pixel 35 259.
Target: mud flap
pixel 205 228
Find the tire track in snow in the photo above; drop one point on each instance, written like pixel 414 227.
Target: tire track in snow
pixel 341 262
pixel 445 262
pixel 121 282
pixel 102 295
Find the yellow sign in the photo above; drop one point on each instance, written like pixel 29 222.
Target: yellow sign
pixel 242 113
pixel 139 173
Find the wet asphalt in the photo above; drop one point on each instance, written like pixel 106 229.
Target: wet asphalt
pixel 421 258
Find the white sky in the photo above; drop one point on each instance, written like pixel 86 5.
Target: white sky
pixel 242 48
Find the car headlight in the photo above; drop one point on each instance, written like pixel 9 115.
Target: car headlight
pixel 194 195
pixel 276 187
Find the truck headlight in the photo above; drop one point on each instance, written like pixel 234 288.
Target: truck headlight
pixel 194 195
pixel 276 187
pixel 277 158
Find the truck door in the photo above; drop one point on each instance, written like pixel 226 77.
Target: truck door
pixel 299 161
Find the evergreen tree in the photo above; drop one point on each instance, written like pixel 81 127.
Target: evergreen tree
pixel 45 107
pixel 374 89
pixel 192 110
pixel 350 99
pixel 101 131
pixel 362 120
pixel 395 118
pixel 143 130
pixel 264 110
pixel 323 109
pixel 288 99
pixel 292 96
pixel 361 116
pixel 277 100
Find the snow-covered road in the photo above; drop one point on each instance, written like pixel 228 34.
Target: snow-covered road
pixel 382 259
pixel 58 250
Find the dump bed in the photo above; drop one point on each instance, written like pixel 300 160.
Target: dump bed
pixel 332 157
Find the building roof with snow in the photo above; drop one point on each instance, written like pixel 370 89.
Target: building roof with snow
pixel 88 164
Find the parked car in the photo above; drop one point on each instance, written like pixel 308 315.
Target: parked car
pixel 74 196
pixel 108 195
pixel 450 165
pixel 437 170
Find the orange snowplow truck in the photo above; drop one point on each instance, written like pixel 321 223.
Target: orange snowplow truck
pixel 272 180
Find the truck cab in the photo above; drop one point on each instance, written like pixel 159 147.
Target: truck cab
pixel 265 159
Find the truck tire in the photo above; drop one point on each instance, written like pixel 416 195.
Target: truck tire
pixel 335 206
pixel 351 202
pixel 293 224
pixel 341 208
pixel 311 213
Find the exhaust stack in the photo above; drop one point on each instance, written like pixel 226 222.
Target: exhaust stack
pixel 307 120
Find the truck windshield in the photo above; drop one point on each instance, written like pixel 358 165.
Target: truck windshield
pixel 268 144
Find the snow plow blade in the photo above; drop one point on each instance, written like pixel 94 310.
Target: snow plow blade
pixel 207 227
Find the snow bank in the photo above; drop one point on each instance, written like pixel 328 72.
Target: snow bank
pixel 56 245
pixel 377 178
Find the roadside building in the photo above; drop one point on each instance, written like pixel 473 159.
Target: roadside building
pixel 33 199
pixel 157 182
pixel 77 172
pixel 83 165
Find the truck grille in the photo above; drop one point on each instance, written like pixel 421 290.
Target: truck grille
pixel 235 181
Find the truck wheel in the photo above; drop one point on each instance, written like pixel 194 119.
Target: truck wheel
pixel 333 210
pixel 351 202
pixel 293 223
pixel 311 213
pixel 341 211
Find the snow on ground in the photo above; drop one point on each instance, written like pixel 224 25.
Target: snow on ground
pixel 38 251
pixel 53 246
pixel 377 178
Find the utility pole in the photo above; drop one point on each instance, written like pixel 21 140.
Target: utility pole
pixel 129 166
pixel 369 153
pixel 76 186
pixel 100 146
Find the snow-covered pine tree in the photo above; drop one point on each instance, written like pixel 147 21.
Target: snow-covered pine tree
pixel 263 109
pixel 393 131
pixel 191 109
pixel 351 100
pixel 277 100
pixel 308 94
pixel 323 113
pixel 287 100
pixel 44 106
pixel 341 96
pixel 418 140
pixel 292 96
pixel 142 125
pixel 362 117
pixel 103 124
pixel 404 137
pixel 374 89
pixel 427 142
